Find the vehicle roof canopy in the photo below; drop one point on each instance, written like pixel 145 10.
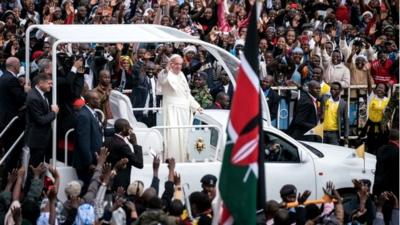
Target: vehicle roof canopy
pixel 132 33
pixel 117 33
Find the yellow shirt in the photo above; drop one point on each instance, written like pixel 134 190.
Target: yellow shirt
pixel 325 89
pixel 331 115
pixel 376 108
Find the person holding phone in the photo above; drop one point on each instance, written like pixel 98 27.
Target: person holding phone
pixel 124 145
pixel 178 107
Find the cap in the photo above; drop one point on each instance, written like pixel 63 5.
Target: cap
pixel 288 189
pixel 201 74
pixel 209 180
pixel 239 42
pixel 135 188
pixel 190 48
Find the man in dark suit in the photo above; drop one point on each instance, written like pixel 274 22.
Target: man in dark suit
pixel 221 101
pixel 88 137
pixel 306 113
pixel 12 99
pixel 124 145
pixel 224 84
pixel 149 84
pixel 271 96
pixel 39 115
pixel 11 92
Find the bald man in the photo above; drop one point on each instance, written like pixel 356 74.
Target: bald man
pixel 306 113
pixel 12 99
pixel 88 133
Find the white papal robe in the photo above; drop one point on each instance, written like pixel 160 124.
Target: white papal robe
pixel 178 107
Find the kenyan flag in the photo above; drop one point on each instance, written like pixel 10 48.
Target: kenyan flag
pixel 242 166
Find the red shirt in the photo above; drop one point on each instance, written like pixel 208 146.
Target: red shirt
pixel 381 72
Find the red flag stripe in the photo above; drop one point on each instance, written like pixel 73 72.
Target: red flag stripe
pixel 249 72
pixel 226 217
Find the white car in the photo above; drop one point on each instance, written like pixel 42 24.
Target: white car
pixel 307 165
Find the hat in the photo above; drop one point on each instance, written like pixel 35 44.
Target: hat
pixel 239 42
pixel 73 189
pixel 135 188
pixel 297 50
pixel 7 14
pixel 271 28
pixel 190 48
pixel 390 27
pixel 367 13
pixel 362 56
pixel 209 180
pixel 201 74
pixel 288 189
pixel 37 54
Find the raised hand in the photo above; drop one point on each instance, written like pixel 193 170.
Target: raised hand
pixel 39 170
pixel 12 177
pixel 177 179
pixel 303 197
pixel 102 156
pixel 121 164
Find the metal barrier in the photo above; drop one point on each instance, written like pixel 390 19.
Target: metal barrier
pixel 8 126
pixel 148 108
pixel 363 108
pixel 12 148
pixel 66 146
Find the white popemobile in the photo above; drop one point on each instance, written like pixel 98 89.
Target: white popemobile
pixel 307 165
pixel 304 164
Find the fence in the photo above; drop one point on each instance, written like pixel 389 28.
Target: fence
pixel 356 99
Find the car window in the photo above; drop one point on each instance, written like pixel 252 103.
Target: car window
pixel 279 150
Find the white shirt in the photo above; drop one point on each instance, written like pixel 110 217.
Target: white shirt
pixel 15 75
pixel 153 93
pixel 126 141
pixel 42 94
pixel 226 87
pixel 89 79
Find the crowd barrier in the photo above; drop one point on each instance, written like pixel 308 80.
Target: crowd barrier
pixel 355 96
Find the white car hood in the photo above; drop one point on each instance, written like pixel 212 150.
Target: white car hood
pixel 334 152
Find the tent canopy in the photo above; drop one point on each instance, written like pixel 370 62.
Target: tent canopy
pixel 134 33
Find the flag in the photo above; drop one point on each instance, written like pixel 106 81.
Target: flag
pixel 317 130
pixel 360 151
pixel 242 177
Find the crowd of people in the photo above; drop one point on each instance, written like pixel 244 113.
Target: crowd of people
pixel 318 47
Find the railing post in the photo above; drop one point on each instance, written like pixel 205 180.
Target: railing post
pixel 66 146
pixel 12 148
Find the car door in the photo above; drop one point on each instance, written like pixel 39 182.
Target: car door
pixel 291 166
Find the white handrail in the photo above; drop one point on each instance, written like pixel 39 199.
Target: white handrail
pixel 12 148
pixel 103 117
pixel 148 108
pixel 66 146
pixel 8 125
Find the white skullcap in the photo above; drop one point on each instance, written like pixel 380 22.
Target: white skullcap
pixel 239 42
pixel 367 13
pixel 135 188
pixel 190 48
pixel 363 57
pixel 73 189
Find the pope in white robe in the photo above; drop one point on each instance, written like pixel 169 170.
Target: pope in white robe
pixel 178 108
